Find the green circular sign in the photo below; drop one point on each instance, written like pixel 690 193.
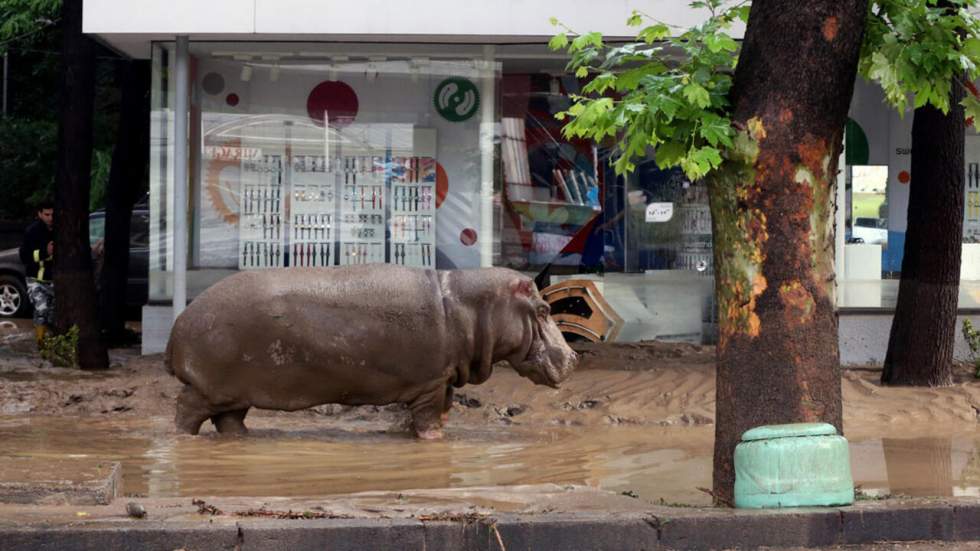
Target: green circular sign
pixel 456 99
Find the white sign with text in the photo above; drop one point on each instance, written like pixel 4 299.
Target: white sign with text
pixel 660 212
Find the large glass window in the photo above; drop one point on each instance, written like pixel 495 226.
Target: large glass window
pixel 433 156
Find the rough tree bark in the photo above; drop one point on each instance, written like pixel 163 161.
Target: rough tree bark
pixel 73 280
pixel 126 175
pixel 772 206
pixel 920 347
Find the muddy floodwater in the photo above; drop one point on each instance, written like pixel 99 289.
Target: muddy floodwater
pixel 635 419
pixel 290 458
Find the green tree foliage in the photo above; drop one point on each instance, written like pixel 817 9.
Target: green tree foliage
pixel 919 48
pixel 668 90
pixel 22 21
pixel 30 35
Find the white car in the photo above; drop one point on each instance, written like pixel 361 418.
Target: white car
pixel 870 230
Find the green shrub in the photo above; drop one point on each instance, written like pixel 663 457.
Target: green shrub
pixel 61 350
pixel 972 337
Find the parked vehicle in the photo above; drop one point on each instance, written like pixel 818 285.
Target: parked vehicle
pixel 870 230
pixel 13 285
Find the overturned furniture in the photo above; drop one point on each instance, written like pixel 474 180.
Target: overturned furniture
pixel 579 308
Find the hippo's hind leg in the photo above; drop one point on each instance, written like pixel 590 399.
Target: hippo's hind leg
pixel 230 422
pixel 192 410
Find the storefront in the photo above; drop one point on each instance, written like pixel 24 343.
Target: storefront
pixel 407 136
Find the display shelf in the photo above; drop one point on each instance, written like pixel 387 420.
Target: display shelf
pixel 411 224
pixel 362 194
pixel 261 235
pixel 312 211
pixel 302 208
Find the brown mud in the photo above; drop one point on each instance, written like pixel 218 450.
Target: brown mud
pixel 635 420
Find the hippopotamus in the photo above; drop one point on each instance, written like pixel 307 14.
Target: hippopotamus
pixel 293 338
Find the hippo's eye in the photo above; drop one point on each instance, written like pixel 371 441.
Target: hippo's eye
pixel 544 311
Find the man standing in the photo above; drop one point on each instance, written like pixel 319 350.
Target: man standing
pixel 37 254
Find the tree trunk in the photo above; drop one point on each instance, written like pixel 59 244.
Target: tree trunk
pixel 920 348
pixel 73 280
pixel 126 176
pixel 772 206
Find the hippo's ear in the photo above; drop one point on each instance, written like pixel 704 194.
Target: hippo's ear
pixel 522 287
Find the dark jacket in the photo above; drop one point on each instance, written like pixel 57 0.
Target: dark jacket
pixel 34 251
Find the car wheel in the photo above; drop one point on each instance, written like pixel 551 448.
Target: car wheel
pixel 13 297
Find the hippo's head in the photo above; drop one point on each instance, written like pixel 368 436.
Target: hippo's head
pixel 543 355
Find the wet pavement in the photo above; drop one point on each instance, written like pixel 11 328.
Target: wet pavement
pixel 300 457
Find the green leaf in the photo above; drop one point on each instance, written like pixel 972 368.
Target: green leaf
pixel 697 95
pixel 742 13
pixel 669 154
pixel 558 42
pixel 720 42
pixel 588 39
pixel 635 19
pixel 654 33
pixel 707 158
pixel 582 72
pixel 971 49
pixel 716 130
pixel 668 104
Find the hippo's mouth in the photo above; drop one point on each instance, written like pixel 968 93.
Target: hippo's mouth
pixel 539 368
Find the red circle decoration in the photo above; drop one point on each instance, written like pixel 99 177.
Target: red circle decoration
pixel 231 99
pixel 904 176
pixel 335 98
pixel 442 185
pixel 467 237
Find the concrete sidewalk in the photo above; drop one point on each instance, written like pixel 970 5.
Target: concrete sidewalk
pixel 642 527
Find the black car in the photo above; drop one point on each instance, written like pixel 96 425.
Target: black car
pixel 13 287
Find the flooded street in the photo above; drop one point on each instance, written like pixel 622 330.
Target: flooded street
pixel 299 458
pixel 644 428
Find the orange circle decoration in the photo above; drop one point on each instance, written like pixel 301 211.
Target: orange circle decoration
pixel 904 176
pixel 467 237
pixel 442 185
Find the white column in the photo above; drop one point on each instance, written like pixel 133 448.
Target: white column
pixel 180 177
pixel 487 123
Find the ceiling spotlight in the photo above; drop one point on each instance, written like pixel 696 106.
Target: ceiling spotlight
pixel 335 65
pixel 416 65
pixel 274 70
pixel 246 68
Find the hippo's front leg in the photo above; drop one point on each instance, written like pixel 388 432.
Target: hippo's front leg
pixel 427 411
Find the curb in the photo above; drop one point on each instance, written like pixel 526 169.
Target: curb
pixel 662 528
